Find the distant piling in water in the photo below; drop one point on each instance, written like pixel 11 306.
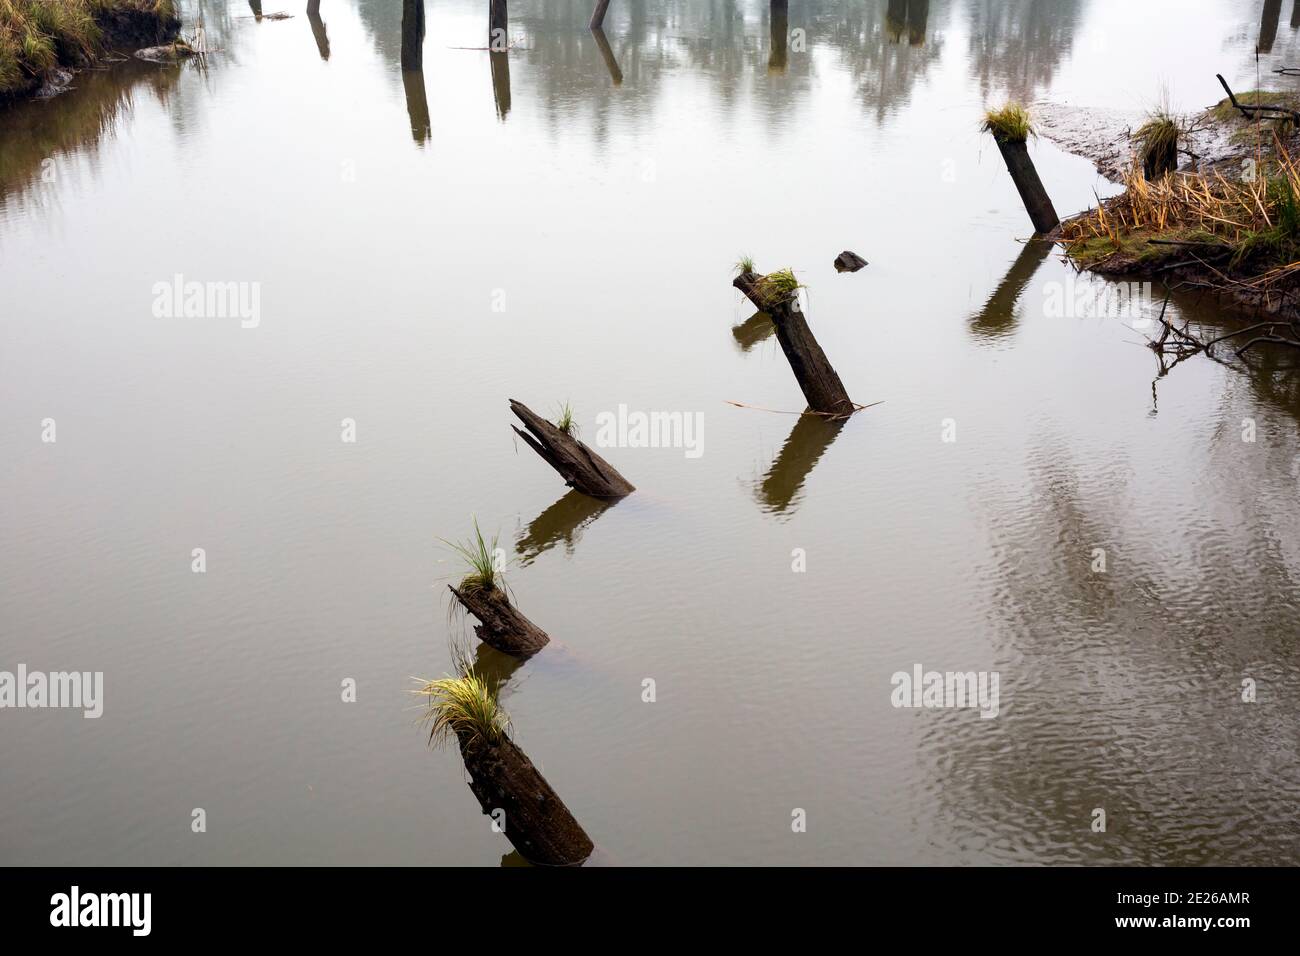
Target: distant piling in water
pixel 1011 130
pixel 777 294
pixel 779 56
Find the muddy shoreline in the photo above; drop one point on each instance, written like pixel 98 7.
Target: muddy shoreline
pixel 122 29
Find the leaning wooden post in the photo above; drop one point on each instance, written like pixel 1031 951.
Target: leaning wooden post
pixel 498 26
pixel 598 15
pixel 820 383
pixel 1011 129
pixel 578 465
pixel 503 627
pixel 505 782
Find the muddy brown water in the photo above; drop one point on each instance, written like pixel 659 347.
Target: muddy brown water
pixel 562 226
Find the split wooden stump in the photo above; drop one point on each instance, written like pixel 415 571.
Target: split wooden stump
pixel 818 380
pixel 578 465
pixel 536 821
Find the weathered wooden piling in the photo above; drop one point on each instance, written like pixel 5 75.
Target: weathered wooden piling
pixel 510 789
pixel 778 58
pixel 819 382
pixel 498 26
pixel 503 626
pixel 598 15
pixel 412 35
pixel 578 465
pixel 1011 130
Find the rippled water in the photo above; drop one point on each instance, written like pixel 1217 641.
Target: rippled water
pixel 561 225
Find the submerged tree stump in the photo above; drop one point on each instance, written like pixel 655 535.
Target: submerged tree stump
pixel 503 627
pixel 535 819
pixel 578 465
pixel 1015 153
pixel 819 382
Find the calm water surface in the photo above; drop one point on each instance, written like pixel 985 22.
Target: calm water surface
pixel 561 225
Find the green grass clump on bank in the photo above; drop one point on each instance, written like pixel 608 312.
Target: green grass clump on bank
pixel 38 35
pixel 1010 124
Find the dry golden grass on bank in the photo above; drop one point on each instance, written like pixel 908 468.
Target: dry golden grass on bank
pixel 38 35
pixel 1250 226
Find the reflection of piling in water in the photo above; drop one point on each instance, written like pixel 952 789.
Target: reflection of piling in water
pixel 579 466
pixel 808 441
pixel 1268 25
pixel 495 668
pixel 564 522
pixel 498 26
pixel 598 15
pixel 819 382
pixel 1011 130
pixel 779 57
pixel 607 55
pixel 412 34
pixel 503 626
pixel 318 28
pixel 500 63
pixel 1295 15
pixel 417 105
pixel 757 328
pixel 998 317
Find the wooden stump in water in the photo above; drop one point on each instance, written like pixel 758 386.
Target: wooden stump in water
pixel 1015 153
pixel 780 32
pixel 598 15
pixel 535 819
pixel 819 382
pixel 578 465
pixel 503 627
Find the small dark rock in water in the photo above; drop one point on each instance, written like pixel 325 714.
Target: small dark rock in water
pixel 56 81
pixel 849 262
pixel 167 53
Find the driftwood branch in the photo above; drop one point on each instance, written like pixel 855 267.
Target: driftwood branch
pixel 578 465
